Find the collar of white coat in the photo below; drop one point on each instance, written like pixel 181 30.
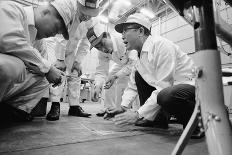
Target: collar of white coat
pixel 30 15
pixel 147 47
pixel 31 22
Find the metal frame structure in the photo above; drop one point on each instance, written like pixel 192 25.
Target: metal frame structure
pixel 209 90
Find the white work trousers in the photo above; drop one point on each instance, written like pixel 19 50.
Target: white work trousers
pixel 19 87
pixel 113 96
pixel 55 93
pixel 73 82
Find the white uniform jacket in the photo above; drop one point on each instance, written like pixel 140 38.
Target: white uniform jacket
pixel 161 64
pixel 78 45
pixel 123 59
pixel 16 38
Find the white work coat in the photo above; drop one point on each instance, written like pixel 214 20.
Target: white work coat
pixel 78 45
pixel 123 61
pixel 161 64
pixel 17 34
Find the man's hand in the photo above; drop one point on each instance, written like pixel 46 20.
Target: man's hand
pixel 127 118
pixel 77 67
pixel 112 111
pixel 96 93
pixel 60 64
pixel 110 81
pixel 54 76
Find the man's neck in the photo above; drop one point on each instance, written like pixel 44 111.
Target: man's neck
pixel 140 47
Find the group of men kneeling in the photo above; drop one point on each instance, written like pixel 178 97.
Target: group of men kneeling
pixel 156 70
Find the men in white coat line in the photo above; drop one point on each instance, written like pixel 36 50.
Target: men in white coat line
pixel 85 10
pixel 115 80
pixel 22 69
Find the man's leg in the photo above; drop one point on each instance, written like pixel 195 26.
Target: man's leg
pixel 73 89
pixel 120 86
pixel 18 87
pixel 107 99
pixel 54 97
pixel 178 100
pixel 74 86
pixel 145 91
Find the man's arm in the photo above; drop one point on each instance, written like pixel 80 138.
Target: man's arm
pixel 126 69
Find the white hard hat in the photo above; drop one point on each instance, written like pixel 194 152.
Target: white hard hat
pixel 137 18
pixel 67 10
pixel 90 7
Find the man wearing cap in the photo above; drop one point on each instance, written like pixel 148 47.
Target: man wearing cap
pixel 76 47
pixel 22 81
pixel 162 77
pixel 111 47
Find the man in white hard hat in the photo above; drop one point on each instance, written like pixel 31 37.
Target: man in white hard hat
pixel 115 79
pixel 22 82
pixel 77 47
pixel 162 77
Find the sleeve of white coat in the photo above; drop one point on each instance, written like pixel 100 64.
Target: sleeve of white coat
pixel 13 41
pixel 60 48
pixel 41 46
pixel 126 69
pixel 115 69
pixel 102 69
pixel 130 92
pixel 165 69
pixel 82 49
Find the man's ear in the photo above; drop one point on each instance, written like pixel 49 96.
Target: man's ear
pixel 46 12
pixel 141 30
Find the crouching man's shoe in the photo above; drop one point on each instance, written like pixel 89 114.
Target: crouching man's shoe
pixel 101 113
pixel 161 121
pixel 77 111
pixel 54 113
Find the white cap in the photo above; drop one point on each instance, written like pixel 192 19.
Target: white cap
pixel 67 10
pixel 90 7
pixel 95 33
pixel 137 18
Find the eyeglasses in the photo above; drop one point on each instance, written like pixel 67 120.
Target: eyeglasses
pixel 125 29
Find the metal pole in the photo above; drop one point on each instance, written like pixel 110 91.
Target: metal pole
pixel 209 88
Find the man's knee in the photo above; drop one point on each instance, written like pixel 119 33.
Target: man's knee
pixel 11 68
pixel 164 96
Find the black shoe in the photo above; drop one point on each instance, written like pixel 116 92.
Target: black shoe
pixel 11 114
pixel 54 113
pixel 161 120
pixel 101 113
pixel 144 123
pixel 77 111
